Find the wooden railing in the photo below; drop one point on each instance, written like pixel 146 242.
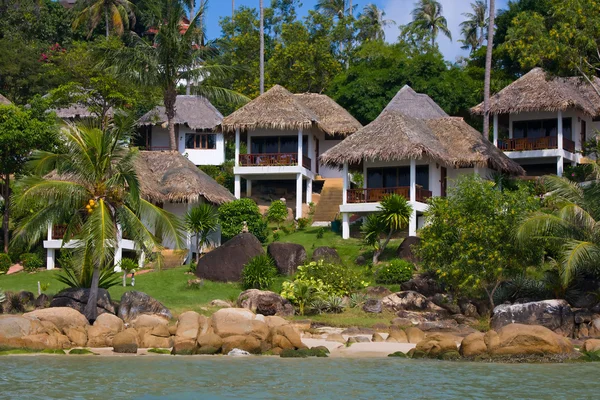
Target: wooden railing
pixel 58 231
pixel 544 143
pixel 273 160
pixel 306 162
pixel 375 195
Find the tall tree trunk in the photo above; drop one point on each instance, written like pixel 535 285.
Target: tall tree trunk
pixel 5 218
pixel 106 18
pixel 232 9
pixel 488 71
pixel 197 249
pixel 170 96
pixel 262 47
pixel 91 309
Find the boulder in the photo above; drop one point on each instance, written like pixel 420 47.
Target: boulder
pixel 360 260
pixel 290 334
pixel 373 306
pixel 238 322
pixel 422 284
pixel 42 301
pixel 185 347
pixel 27 298
pixel 265 303
pixel 378 291
pixel 243 342
pixel 77 336
pixel 398 335
pixel 134 304
pixel 17 326
pixel 446 303
pixel 209 339
pixel 126 341
pixel 287 256
pixel 327 254
pixel 188 324
pixel 376 338
pixel 225 263
pixel 594 328
pixel 43 341
pixel 220 303
pixel 469 310
pixel 473 345
pixel 414 335
pixel 555 315
pixel 150 340
pixel 77 298
pixel 149 321
pixel 519 339
pixel 274 321
pixel 445 325
pixel 436 344
pixel 282 343
pixel 62 317
pixel 491 339
pixel 103 331
pixel 335 337
pixel 591 345
pixel 405 250
pixel 410 301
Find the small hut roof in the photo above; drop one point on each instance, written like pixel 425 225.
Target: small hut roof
pixel 4 101
pixel 76 111
pixel 170 176
pixel 279 109
pixel 536 91
pixel 416 105
pixel 194 111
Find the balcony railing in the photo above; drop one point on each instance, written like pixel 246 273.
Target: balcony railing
pixel 544 143
pixel 58 231
pixel 375 195
pixel 273 160
pixel 306 162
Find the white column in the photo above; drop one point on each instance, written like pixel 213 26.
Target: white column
pixel 413 180
pixel 300 147
pixel 188 240
pixel 496 130
pixel 49 231
pixel 119 249
pixel 298 196
pixel 345 226
pixel 345 187
pixel 559 166
pixel 559 134
pixel 50 258
pixel 309 183
pixel 412 225
pixel 311 152
pixel 248 188
pixel 237 147
pixel 237 186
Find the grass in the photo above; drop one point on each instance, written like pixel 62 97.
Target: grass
pixel 350 317
pixel 82 352
pixel 4 351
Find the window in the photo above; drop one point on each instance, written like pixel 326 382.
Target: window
pixel 278 144
pixel 541 128
pixel 397 177
pixel 204 141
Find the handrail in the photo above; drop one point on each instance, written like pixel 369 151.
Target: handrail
pixel 375 195
pixel 268 159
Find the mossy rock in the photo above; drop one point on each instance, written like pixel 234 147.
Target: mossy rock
pixel 184 352
pixel 9 351
pixel 207 350
pixel 398 354
pixel 590 356
pixel 159 351
pixel 53 351
pixel 81 352
pixel 413 353
pixel 450 356
pixel 321 349
pixel 290 353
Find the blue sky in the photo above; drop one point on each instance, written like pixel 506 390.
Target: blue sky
pixel 397 10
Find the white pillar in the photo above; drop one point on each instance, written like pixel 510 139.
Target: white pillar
pixel 300 147
pixel 311 152
pixel 559 134
pixel 309 183
pixel 50 231
pixel 559 166
pixel 495 130
pixel 50 258
pixel 188 245
pixel 237 147
pixel 237 186
pixel 248 188
pixel 413 180
pixel 298 196
pixel 345 187
pixel 412 225
pixel 345 226
pixel 119 249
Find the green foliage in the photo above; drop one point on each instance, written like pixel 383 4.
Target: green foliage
pixel 159 351
pixel 76 275
pixel 335 304
pixel 357 300
pixel 331 279
pixel 223 173
pixel 396 272
pixel 13 303
pixel 276 236
pixel 2 296
pixel 81 352
pixel 202 220
pixel 277 212
pixel 469 237
pixel 232 216
pixel 303 223
pixel 5 262
pixel 128 265
pixel 31 262
pixel 320 233
pixel 259 273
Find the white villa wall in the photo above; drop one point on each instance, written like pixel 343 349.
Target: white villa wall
pixel 324 170
pixel 160 138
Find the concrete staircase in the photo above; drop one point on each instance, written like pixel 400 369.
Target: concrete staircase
pixel 331 198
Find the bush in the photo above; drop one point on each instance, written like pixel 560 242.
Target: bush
pixel 31 262
pixel 5 262
pixel 303 223
pixel 277 212
pixel 336 279
pixel 259 273
pixel 2 296
pixel 396 272
pixel 78 276
pixel 276 236
pixel 233 214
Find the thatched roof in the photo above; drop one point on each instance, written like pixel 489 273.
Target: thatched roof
pixel 170 176
pixel 279 109
pixel 4 101
pixel 416 105
pixel 194 111
pixel 77 111
pixel 536 91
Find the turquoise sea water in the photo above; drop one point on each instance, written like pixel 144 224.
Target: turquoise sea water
pixel 196 377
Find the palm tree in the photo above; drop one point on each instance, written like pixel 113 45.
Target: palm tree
pixel 116 13
pixel 93 186
pixel 173 55
pixel 332 8
pixel 488 71
pixel 573 225
pixel 427 17
pixel 378 229
pixel 372 24
pixel 473 28
pixel 262 47
pixel 202 220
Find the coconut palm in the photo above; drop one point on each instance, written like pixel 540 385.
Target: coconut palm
pixel 573 225
pixel 372 23
pixel 332 8
pixel 93 187
pixel 428 17
pixel 488 71
pixel 117 13
pixel 173 55
pixel 378 229
pixel 202 220
pixel 473 28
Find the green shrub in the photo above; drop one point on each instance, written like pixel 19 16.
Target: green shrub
pixel 276 236
pixel 2 296
pixel 357 300
pixel 31 262
pixel 13 304
pixel 396 272
pixel 233 214
pixel 5 262
pixel 75 275
pixel 303 223
pixel 335 304
pixel 320 233
pixel 277 212
pixel 336 279
pixel 259 273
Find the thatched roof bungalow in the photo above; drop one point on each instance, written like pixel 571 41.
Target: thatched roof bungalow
pixel 195 112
